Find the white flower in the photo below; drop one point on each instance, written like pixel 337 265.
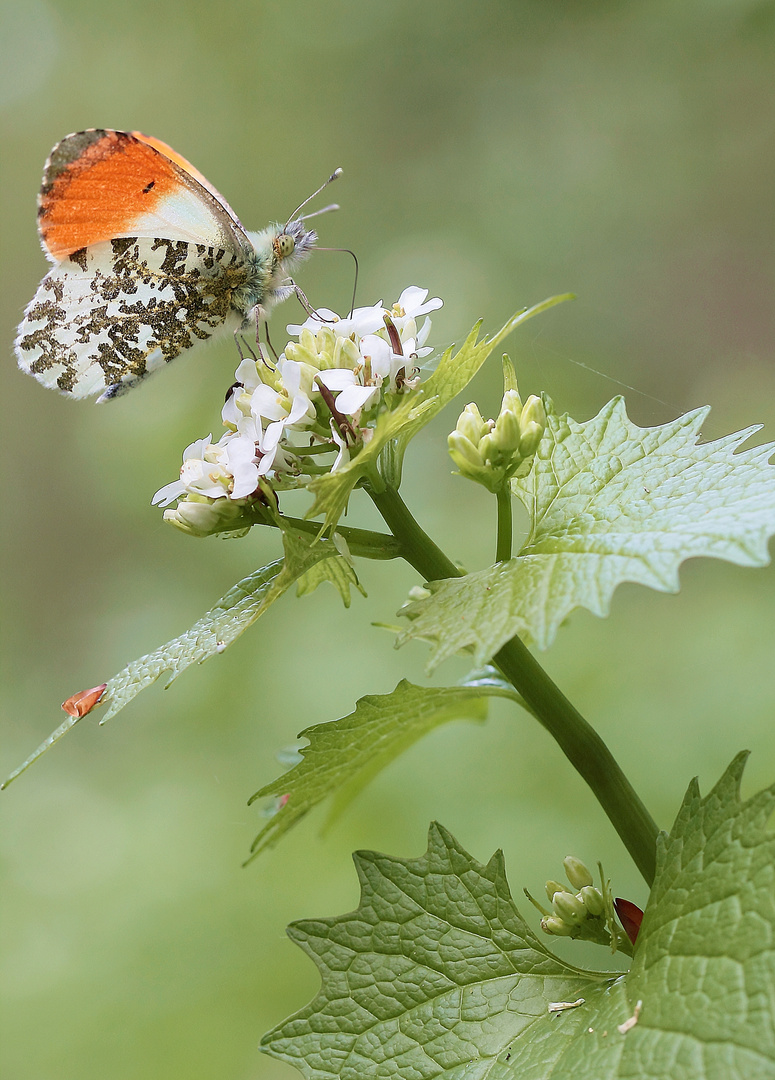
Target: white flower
pixel 242 462
pixel 352 360
pixel 365 320
pixel 203 471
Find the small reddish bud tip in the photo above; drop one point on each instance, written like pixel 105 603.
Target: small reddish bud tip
pixel 630 916
pixel 82 703
pixel 283 799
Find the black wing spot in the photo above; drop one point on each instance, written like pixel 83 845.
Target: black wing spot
pixel 148 187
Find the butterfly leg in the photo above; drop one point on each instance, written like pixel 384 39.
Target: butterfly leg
pixel 313 312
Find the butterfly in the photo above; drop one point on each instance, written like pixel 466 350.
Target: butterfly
pixel 149 260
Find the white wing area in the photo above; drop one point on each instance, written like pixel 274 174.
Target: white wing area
pixel 190 213
pixel 111 314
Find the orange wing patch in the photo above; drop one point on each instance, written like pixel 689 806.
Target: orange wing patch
pixel 96 184
pixel 173 155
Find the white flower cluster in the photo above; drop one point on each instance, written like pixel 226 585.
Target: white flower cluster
pixel 279 418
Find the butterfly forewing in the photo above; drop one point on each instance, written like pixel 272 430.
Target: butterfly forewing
pixel 112 313
pixel 149 259
pixel 98 185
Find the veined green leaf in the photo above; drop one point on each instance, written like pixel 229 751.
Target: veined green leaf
pixel 437 975
pixel 344 755
pixel 609 502
pixel 338 571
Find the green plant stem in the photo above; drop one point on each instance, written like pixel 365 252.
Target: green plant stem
pixel 580 743
pixel 505 528
pixel 363 543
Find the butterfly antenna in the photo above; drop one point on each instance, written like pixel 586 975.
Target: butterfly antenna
pixel 325 210
pixel 355 260
pixel 334 176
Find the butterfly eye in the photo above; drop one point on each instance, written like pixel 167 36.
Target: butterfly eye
pixel 283 245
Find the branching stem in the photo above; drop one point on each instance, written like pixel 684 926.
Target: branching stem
pixel 580 743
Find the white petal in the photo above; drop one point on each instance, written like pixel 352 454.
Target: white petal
pixel 242 464
pixel 378 351
pixel 363 321
pixel 301 409
pixel 411 298
pixel 355 397
pixel 267 461
pixel 164 496
pixel 313 323
pixel 197 449
pixel 271 437
pixel 230 413
pixel 337 378
pixel 344 454
pixel 247 374
pixel 425 329
pixel 290 371
pixel 268 403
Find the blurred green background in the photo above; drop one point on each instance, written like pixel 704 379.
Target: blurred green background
pixel 494 152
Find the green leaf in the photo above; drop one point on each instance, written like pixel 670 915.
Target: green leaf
pixel 453 373
pixel 222 624
pixel 344 755
pixel 437 975
pixel 338 571
pixel 610 502
pixel 705 960
pixel 211 634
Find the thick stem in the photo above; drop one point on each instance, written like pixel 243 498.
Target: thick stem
pixel 505 528
pixel 580 743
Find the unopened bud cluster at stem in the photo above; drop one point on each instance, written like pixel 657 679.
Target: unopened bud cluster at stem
pixel 572 910
pixel 491 452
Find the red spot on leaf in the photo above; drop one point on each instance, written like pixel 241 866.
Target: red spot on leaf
pixel 83 702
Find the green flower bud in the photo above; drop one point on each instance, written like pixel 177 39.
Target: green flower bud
pixel 530 441
pixel 569 908
pixel 506 434
pixel 553 887
pixel 463 452
pixel 488 448
pixel 471 424
pixel 512 403
pixel 203 516
pixel 592 899
pixel 552 925
pixel 303 354
pixel 417 592
pixel 504 446
pixel 578 875
pixel 533 412
pixel 346 353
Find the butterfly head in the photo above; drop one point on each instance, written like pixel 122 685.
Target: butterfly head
pixel 294 242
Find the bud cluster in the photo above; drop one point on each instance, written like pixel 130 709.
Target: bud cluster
pixel 582 911
pixel 491 452
pixel 572 910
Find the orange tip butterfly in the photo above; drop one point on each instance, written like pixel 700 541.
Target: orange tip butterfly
pixel 149 260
